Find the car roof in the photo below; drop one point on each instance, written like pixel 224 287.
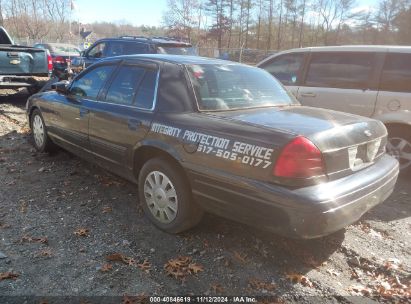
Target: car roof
pixel 358 48
pixel 153 40
pixel 343 48
pixel 177 59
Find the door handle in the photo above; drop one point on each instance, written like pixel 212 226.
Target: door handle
pixel 308 94
pixel 133 124
pixel 84 112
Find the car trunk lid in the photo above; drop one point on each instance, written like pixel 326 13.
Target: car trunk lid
pixel 19 60
pixel 347 142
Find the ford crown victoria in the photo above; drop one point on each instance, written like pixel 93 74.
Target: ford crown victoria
pixel 199 134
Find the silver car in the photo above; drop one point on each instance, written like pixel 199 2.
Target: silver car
pixel 372 81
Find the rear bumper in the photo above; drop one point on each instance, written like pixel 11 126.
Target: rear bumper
pixel 307 212
pixel 16 81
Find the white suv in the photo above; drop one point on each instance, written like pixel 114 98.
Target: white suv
pixel 372 81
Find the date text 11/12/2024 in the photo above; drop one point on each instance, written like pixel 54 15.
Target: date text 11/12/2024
pixel 202 299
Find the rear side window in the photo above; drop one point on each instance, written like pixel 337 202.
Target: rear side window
pixel 146 91
pixel 122 89
pixel 346 70
pixel 89 85
pixel 117 48
pixel 286 68
pixel 133 85
pixel 135 48
pixel 396 75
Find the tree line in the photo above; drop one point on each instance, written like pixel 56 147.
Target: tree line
pixel 282 24
pixel 31 21
pixel 232 24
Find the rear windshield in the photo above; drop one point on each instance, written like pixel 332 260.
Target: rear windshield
pixel 176 50
pixel 229 87
pixel 65 49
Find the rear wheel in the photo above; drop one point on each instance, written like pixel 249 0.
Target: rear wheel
pixel 399 145
pixel 42 142
pixel 166 196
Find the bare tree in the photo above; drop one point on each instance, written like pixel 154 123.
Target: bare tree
pixel 59 13
pixel 181 17
pixel 217 9
pixel 279 34
pixel 302 13
pixel 270 24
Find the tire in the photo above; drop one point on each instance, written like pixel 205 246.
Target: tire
pixel 399 146
pixel 171 211
pixel 41 141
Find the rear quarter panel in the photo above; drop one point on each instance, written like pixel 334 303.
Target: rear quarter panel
pixel 207 143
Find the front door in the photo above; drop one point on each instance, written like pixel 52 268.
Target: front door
pixel 70 116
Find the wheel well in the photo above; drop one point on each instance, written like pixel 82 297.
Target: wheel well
pixel 146 153
pixel 31 113
pixel 398 125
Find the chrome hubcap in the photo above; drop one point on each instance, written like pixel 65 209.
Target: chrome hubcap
pixel 401 150
pixel 38 131
pixel 161 197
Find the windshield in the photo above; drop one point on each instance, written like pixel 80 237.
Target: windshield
pixel 177 50
pixel 228 87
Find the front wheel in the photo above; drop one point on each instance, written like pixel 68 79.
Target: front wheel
pixel 399 145
pixel 166 196
pixel 42 142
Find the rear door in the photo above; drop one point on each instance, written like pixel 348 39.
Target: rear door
pixel 395 84
pixel 123 116
pixel 342 81
pixel 287 68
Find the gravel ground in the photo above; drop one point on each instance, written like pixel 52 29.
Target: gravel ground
pixel 69 228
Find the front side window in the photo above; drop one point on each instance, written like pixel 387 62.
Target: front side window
pixel 98 50
pixel 346 70
pixel 396 75
pixel 226 87
pixel 123 87
pixel 286 68
pixel 90 84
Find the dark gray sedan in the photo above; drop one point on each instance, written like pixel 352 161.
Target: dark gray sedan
pixel 198 135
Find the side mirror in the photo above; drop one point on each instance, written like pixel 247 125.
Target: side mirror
pixel 61 87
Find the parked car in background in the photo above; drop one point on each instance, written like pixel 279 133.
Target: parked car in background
pixel 128 45
pixel 61 54
pixel 22 66
pixel 204 134
pixel 372 81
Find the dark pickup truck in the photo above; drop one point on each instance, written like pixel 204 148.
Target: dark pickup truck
pixel 22 66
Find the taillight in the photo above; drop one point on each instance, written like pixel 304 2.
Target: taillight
pixel 49 62
pixel 59 59
pixel 300 158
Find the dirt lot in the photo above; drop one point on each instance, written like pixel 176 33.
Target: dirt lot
pixel 70 228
